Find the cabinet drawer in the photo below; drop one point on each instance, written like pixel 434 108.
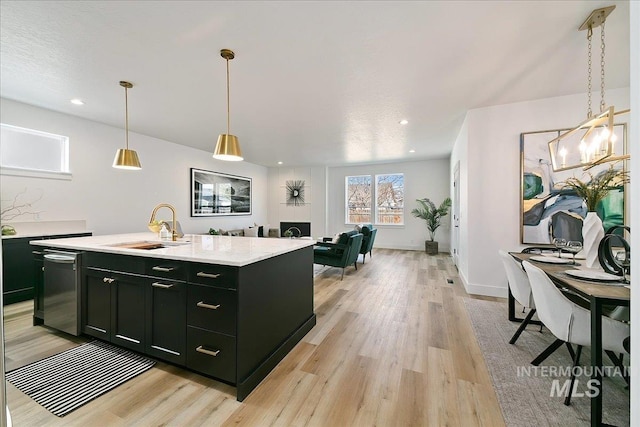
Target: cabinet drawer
pixel 167 268
pixel 129 264
pixel 211 308
pixel 222 276
pixel 211 354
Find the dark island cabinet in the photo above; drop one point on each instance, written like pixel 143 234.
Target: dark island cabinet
pixel 166 318
pixel 122 302
pixel 231 323
pixel 96 304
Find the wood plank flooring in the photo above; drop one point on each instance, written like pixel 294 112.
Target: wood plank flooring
pixel 393 346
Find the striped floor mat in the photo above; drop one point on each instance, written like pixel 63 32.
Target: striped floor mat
pixel 65 381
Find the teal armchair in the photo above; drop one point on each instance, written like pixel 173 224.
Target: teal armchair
pixel 368 237
pixel 340 254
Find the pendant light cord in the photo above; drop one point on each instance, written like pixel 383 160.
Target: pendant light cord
pixel 126 116
pixel 228 108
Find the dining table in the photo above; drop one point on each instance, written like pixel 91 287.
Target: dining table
pixel 598 294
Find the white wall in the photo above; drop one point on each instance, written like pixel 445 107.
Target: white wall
pixel 118 201
pixel 422 179
pixel 491 150
pixel 314 209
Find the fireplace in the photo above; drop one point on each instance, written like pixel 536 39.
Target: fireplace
pixel 304 227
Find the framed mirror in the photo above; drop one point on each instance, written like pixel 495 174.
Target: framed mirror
pixel 547 210
pixel 219 194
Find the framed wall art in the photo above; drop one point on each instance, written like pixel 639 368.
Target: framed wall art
pixel 547 208
pixel 219 194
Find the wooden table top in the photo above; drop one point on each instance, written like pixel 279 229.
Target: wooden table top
pixel 585 288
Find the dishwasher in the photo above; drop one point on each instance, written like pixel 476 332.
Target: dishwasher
pixel 61 308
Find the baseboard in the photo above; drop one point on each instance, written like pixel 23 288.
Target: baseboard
pixel 484 290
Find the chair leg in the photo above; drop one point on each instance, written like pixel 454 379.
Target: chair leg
pixel 355 264
pixel 364 255
pixel 617 361
pixel 571 353
pixel 547 352
pixel 522 326
pixel 576 361
pixel 342 277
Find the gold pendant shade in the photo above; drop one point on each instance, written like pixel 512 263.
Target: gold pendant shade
pixel 228 147
pixel 125 158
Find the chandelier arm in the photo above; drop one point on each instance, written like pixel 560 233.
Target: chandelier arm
pixel 602 47
pixel 589 36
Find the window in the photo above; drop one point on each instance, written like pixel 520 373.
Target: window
pixel 27 150
pixel 358 199
pixel 389 199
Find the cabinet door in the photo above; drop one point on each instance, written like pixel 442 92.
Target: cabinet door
pixel 166 320
pixel 128 311
pixel 96 303
pixel 17 270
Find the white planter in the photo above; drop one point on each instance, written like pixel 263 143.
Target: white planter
pixel 592 233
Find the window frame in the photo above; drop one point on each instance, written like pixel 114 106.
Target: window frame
pixel 373 204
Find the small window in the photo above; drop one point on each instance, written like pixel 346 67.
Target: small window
pixel 33 153
pixel 358 203
pixel 390 199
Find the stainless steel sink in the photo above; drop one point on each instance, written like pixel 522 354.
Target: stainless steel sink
pixel 149 244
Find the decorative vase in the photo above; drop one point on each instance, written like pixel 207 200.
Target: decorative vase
pixel 592 233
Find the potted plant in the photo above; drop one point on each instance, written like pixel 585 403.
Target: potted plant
pixel 593 191
pixel 432 215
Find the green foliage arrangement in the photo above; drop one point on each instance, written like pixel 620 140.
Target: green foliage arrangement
pixel 213 232
pixel 432 215
pixel 598 186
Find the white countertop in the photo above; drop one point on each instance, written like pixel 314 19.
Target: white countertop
pixel 225 250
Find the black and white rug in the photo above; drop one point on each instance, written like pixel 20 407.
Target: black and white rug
pixel 63 382
pixel 531 396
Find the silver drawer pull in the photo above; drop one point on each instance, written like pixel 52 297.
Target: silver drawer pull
pixel 163 269
pixel 209 306
pixel 161 285
pixel 201 349
pixel 208 275
pixel 108 280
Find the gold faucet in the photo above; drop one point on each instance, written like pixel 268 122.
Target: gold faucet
pixel 174 233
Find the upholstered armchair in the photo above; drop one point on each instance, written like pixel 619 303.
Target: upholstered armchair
pixel 340 254
pixel 368 236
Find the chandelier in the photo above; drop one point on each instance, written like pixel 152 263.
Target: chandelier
pixel 594 141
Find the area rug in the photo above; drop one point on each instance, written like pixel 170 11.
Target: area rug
pixel 63 382
pixel 531 396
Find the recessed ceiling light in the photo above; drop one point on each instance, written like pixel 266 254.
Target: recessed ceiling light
pixel 403 121
pixel 279 163
pixel 76 101
pixel 412 151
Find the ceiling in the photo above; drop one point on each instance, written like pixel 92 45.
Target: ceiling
pixel 313 83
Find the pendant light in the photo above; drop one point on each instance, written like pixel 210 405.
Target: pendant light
pixel 125 158
pixel 593 141
pixel 227 147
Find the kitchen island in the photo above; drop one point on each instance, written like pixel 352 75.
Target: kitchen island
pixel 227 307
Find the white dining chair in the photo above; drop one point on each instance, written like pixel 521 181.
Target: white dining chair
pixel 571 323
pixel 518 283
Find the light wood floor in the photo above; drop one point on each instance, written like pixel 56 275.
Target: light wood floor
pixel 393 346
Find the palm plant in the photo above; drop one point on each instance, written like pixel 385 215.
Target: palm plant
pixel 432 215
pixel 598 186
